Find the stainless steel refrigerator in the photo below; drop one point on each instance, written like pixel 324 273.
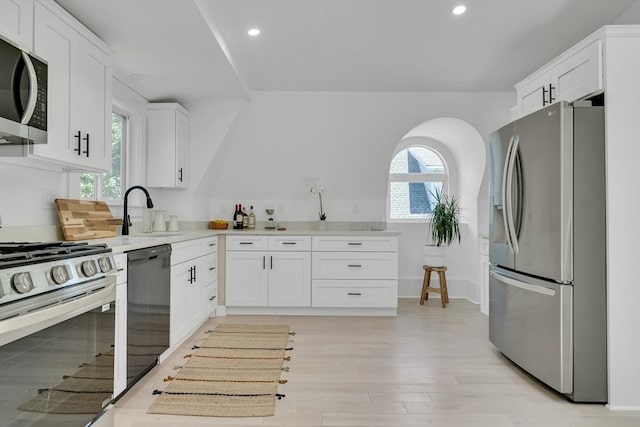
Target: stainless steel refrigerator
pixel 547 284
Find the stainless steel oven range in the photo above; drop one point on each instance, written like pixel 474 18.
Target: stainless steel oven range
pixel 57 327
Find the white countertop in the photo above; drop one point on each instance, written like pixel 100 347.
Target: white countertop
pixel 120 244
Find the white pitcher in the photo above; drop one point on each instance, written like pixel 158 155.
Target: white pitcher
pixel 159 223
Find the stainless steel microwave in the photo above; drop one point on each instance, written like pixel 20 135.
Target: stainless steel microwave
pixel 23 97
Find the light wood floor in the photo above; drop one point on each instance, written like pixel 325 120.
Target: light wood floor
pixel 427 367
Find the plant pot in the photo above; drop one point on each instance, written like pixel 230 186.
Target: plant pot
pixel 434 256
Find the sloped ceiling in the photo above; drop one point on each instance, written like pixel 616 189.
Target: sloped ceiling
pixel 189 49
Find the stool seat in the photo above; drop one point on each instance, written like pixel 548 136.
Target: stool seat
pixel 426 288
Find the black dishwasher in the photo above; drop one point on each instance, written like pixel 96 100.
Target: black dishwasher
pixel 148 300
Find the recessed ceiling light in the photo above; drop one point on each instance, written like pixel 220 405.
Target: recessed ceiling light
pixel 253 32
pixel 459 10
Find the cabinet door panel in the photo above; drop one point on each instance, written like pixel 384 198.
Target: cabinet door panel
pixel 246 279
pixel 289 279
pixel 16 22
pixel 180 276
pixel 182 138
pixel 57 43
pixel 93 89
pixel 581 74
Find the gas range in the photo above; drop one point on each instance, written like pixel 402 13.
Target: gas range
pixel 31 269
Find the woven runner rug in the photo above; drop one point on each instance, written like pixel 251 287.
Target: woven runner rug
pixel 235 372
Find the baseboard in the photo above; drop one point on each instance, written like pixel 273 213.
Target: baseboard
pixel 622 408
pixel 312 311
pixel 221 311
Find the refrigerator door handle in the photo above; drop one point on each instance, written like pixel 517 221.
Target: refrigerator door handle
pixel 505 211
pixel 511 282
pixel 511 229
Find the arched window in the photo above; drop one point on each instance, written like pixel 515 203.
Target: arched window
pixel 416 173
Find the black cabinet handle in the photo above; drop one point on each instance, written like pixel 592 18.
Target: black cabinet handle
pixel 86 139
pixel 195 278
pixel 212 298
pixel 180 174
pixel 190 274
pixel 289 243
pixel 354 293
pixel 211 268
pixel 78 136
pixel 544 96
pixel 212 244
pixel 263 262
pixel 271 262
pixel 246 243
pixel 355 244
pixel 551 89
pixel 355 265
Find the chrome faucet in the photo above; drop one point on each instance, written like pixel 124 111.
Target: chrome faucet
pixel 126 221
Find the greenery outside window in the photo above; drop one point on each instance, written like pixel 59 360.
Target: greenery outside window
pixel 108 186
pixel 415 175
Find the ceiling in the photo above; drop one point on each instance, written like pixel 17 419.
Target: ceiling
pixel 187 50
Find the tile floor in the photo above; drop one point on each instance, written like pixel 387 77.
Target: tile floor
pixel 426 367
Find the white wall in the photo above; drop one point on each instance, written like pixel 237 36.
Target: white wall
pixel 282 141
pixel 623 232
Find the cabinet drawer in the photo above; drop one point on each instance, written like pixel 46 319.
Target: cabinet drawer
pixel 355 293
pixel 247 243
pixel 209 244
pixel 183 251
pixel 209 266
pixel 354 244
pixel 121 267
pixel 290 243
pixel 364 265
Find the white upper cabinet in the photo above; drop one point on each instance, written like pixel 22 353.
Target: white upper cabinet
pixel 574 75
pixel 79 92
pixel 16 22
pixel 167 146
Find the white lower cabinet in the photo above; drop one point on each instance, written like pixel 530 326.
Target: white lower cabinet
pixel 355 272
pixel 277 277
pixel 193 284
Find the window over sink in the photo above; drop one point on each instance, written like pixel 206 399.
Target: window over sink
pixel 109 185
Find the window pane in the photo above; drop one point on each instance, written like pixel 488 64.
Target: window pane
pixel 412 199
pixel 417 160
pixel 112 180
pixel 88 186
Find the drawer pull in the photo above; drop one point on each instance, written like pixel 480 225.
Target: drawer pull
pixel 289 243
pixel 355 265
pixel 246 243
pixel 120 269
pixel 212 298
pixel 212 244
pixel 354 293
pixel 211 268
pixel 355 244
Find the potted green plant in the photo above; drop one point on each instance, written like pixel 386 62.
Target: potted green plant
pixel 444 227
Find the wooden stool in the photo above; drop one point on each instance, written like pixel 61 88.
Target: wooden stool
pixel 442 290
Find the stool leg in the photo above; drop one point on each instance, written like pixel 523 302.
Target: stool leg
pixel 443 288
pixel 425 284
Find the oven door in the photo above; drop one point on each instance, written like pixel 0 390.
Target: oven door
pixel 56 363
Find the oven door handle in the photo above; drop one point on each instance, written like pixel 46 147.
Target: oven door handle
pixel 20 326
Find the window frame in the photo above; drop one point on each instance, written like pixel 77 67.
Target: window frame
pixel 444 178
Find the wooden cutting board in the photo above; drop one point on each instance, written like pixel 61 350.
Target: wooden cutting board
pixel 84 219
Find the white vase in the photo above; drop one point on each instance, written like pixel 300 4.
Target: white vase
pixel 434 256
